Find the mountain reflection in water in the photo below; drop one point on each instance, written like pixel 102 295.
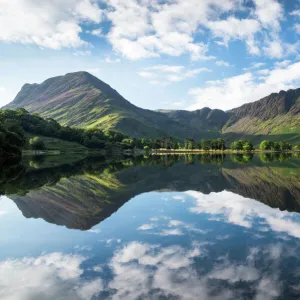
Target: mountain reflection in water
pixel 164 227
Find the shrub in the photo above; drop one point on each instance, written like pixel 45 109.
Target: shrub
pixel 37 144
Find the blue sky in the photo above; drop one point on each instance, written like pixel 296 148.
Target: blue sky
pixel 174 54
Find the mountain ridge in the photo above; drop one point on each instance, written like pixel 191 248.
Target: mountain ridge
pixel 82 100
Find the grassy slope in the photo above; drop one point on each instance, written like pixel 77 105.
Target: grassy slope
pixel 58 144
pixel 282 124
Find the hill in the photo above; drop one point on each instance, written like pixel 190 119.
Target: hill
pixel 82 100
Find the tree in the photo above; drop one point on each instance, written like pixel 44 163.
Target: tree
pixel 221 144
pixel 284 146
pixel 266 145
pixel 205 144
pixel 37 144
pixel 236 145
pixel 248 146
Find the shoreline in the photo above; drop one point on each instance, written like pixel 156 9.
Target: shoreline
pixel 227 151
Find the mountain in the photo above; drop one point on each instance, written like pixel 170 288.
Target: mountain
pixel 80 99
pixel 278 113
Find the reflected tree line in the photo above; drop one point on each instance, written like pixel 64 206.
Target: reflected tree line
pixel 15 178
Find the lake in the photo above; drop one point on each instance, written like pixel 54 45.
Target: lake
pixel 163 227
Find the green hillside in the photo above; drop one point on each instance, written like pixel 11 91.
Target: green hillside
pixel 82 100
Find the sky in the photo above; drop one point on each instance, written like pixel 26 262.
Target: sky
pixel 158 54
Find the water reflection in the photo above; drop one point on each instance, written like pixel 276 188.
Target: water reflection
pixel 163 228
pixel 100 187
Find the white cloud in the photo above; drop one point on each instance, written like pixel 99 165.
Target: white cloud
pixel 161 28
pixel 235 209
pixel 51 276
pixel 269 13
pixel 222 63
pixel 282 64
pixel 146 227
pixel 263 72
pixel 297 28
pixel 143 270
pixel 233 28
pixel 159 272
pixel 258 65
pixel 235 91
pixel 295 13
pixel 48 24
pixel 235 273
pixel 97 32
pixel 179 197
pixel 168 73
pixel 273 49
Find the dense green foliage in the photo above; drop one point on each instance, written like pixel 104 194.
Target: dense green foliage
pixel 275 146
pixel 12 138
pixel 242 145
pixel 34 124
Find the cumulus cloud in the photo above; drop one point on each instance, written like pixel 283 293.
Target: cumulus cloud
pixel 142 269
pixel 273 49
pixel 161 28
pixel 233 28
pixel 170 227
pixel 295 13
pixel 48 24
pixel 143 29
pixel 50 276
pixel 269 13
pixel 248 87
pixel 146 227
pixel 241 211
pixel 156 272
pixel 97 32
pixel 167 73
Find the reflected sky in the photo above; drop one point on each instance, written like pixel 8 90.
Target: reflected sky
pixel 158 245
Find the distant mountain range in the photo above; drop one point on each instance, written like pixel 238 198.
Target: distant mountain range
pixel 80 99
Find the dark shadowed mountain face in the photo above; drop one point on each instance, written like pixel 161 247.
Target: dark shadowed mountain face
pixel 80 99
pixel 278 113
pixel 100 188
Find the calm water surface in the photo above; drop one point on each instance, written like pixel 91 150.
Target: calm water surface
pixel 202 227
